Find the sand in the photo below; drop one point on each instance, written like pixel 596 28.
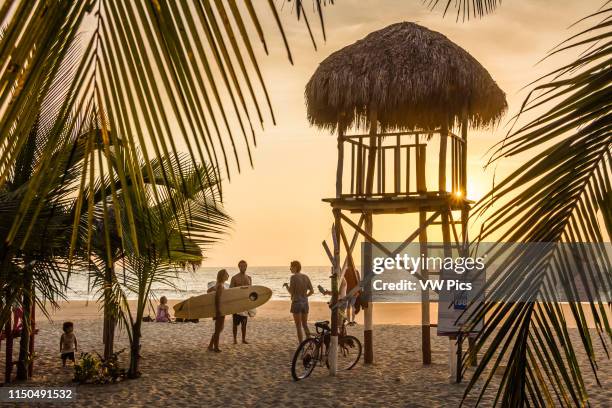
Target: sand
pixel 179 372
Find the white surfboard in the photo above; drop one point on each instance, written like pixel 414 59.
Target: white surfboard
pixel 234 300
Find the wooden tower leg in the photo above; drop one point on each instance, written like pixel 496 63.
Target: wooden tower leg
pixel 454 342
pixel 333 344
pixel 425 322
pixel 422 189
pixel 368 320
pixel 473 358
pixel 471 347
pixel 452 359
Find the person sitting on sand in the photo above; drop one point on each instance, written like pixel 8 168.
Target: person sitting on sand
pixel 240 319
pixel 68 343
pixel 222 277
pixel 163 312
pixel 300 288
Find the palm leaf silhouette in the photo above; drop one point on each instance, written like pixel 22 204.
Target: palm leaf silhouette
pixel 167 76
pixel 560 194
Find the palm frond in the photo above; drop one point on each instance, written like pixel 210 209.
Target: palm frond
pixel 465 9
pixel 154 73
pixel 559 195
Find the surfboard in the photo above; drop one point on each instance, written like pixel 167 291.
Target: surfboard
pixel 248 313
pixel 233 300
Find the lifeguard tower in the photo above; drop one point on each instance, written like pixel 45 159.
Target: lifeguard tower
pixel 400 100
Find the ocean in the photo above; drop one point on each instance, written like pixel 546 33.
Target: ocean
pixel 188 284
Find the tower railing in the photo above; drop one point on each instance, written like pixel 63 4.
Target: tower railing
pixel 400 164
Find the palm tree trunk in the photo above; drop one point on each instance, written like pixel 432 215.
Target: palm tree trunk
pixel 133 371
pixel 110 321
pixel 143 294
pixel 108 332
pixel 24 343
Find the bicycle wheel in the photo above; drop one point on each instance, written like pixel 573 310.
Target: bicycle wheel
pixel 349 352
pixel 305 359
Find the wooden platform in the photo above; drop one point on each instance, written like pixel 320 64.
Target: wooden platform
pixel 399 204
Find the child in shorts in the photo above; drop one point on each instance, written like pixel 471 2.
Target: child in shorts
pixel 68 343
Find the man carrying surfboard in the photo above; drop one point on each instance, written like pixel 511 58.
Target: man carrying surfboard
pixel 240 319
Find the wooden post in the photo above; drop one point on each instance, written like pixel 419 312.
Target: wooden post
pixel 407 169
pixel 464 126
pixel 465 214
pixel 454 345
pixel 453 165
pixel 459 358
pixel 368 340
pixel 372 153
pixel 333 345
pixel 422 188
pixel 465 208
pixel 425 321
pixel 340 165
pixel 442 159
pixel 359 178
pixel 379 173
pixel 368 320
pixel 397 166
pixel 446 233
pixel 421 156
pixel 353 169
pixel 473 358
pixel 452 358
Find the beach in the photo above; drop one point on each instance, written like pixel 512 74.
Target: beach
pixel 177 371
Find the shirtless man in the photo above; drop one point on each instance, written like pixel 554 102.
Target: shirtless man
pixel 240 319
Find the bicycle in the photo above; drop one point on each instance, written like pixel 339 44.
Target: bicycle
pixel 314 349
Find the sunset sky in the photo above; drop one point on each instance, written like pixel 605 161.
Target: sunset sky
pixel 277 205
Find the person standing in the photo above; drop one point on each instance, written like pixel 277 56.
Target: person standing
pixel 352 278
pixel 240 319
pixel 300 288
pixel 219 319
pixel 68 343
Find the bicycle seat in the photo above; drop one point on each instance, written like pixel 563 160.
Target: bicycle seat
pixel 323 324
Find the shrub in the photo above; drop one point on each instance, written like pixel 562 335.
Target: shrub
pixel 91 368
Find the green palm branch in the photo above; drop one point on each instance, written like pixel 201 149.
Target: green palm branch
pixel 35 272
pixel 189 208
pixel 560 194
pixel 165 248
pixel 162 74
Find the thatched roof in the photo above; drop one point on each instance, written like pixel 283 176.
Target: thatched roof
pixel 412 76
